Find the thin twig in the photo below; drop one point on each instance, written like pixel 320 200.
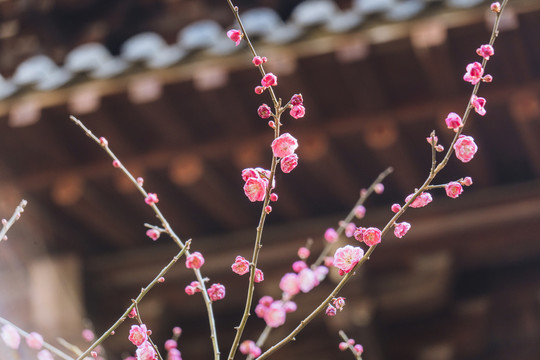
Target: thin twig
pixel 6 224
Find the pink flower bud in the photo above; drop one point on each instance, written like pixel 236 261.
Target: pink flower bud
pixel 131 315
pixel 140 181
pixel 467 181
pixel 331 235
pixel 272 124
pixel 488 78
pixel 378 188
pixel 360 211
pixel 103 142
pixel 268 209
pixel 298 111
pixel 297 99
pixel 161 280
pixel 257 60
pixel 485 51
pixel 343 346
pixel 371 236
pixel 259 276
pixel 194 260
pixel 34 340
pixel 116 163
pixel 453 121
pixel 269 80
pixel 289 284
pixel 350 228
pixel 190 290
pixel 11 336
pixel 395 208
pixel 495 7
pixel 359 349
pixel 465 148
pixel 273 197
pixel 284 145
pixel 289 163
pixel 259 90
pixel 421 200
pixel 170 344
pixel 401 229
pixel 235 35
pixel 151 198
pixel 303 253
pixel 330 310
pixel 216 292
pixel 152 234
pixel 177 331
pixel 453 189
pixel 93 354
pixel 264 111
pixel 299 265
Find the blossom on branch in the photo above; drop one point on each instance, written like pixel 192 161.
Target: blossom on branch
pixel 284 145
pixel 453 189
pixel 235 35
pixel 465 148
pixel 346 258
pixel 474 73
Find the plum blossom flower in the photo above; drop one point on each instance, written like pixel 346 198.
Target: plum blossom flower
pixel 453 121
pixel 346 258
pixel 11 336
pixel 290 284
pixel 153 234
pixel 331 235
pixel 259 90
pixel 151 198
pixel 34 340
pixel 269 80
pixel 401 229
pixel 284 145
pixel 330 310
pixel 44 355
pixel 288 163
pixel 298 111
pixel 474 73
pixel 467 181
pixel 421 200
pixel 259 276
pixel 264 111
pixel 240 266
pixel 478 103
pixel 307 280
pixel 485 51
pixel 248 347
pixel 257 60
pixel 146 352
pixel 275 315
pixel 465 148
pixel 339 303
pixel 138 334
pixel 216 292
pixel 297 99
pixel 453 189
pixel 235 35
pixel 371 236
pixel 255 188
pixel 194 260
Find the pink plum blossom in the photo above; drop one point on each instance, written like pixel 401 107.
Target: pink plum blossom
pixel 330 310
pixel 151 198
pixel 240 266
pixel 349 229
pixel 485 51
pixel 34 340
pixel 275 315
pixel 259 276
pixel 396 208
pixel 453 189
pixel 467 181
pixel 259 90
pixel 44 355
pixel 371 236
pixel 216 292
pixel 401 229
pixel 11 336
pixel 255 189
pixel 288 163
pixel 264 111
pixel 465 148
pixel 146 352
pixel 495 7
pixel 331 235
pixel 478 103
pixel 289 284
pixel 138 334
pixel 453 121
pixel 257 60
pixel 284 145
pixel 474 73
pixel 153 234
pixel 235 35
pixel 289 306
pixel 359 349
pixel 339 303
pixel 307 280
pixel 303 253
pixel 359 233
pixel 194 260
pixel 346 258
pixel 299 266
pixel 269 80
pixel 421 200
pixel 297 99
pixel 298 111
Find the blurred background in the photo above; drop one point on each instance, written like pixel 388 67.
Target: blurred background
pixel 174 97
